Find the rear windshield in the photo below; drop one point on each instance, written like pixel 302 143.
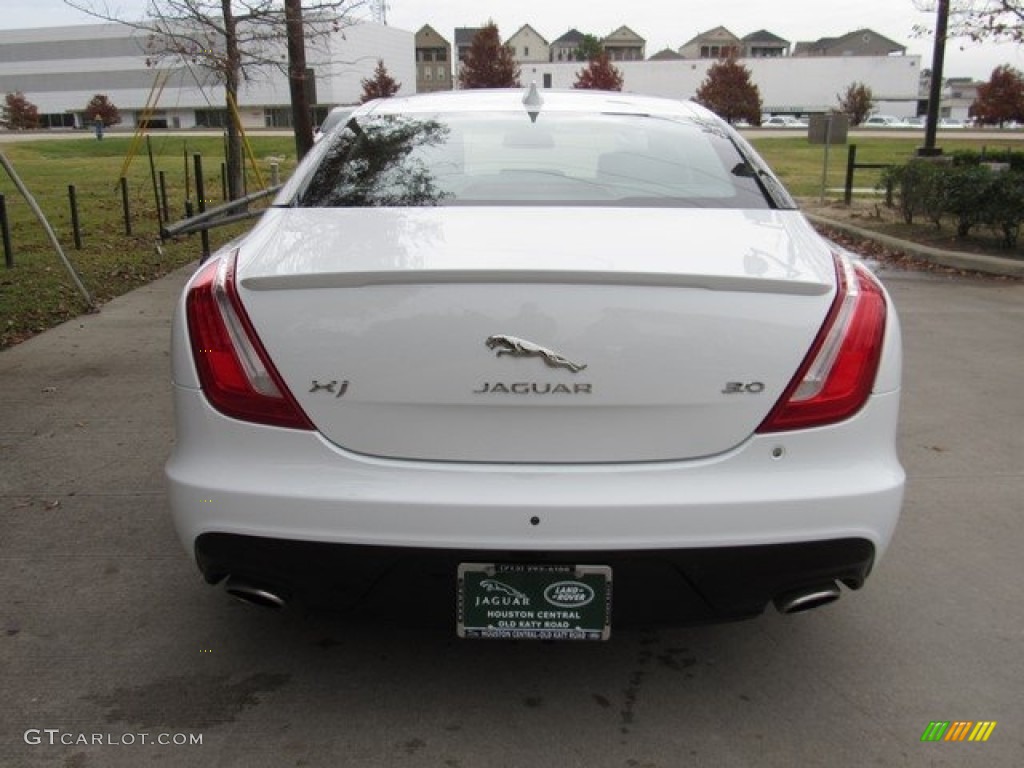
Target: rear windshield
pixel 511 159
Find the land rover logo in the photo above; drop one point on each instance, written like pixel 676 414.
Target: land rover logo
pixel 569 594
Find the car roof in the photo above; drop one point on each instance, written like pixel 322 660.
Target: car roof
pixel 511 99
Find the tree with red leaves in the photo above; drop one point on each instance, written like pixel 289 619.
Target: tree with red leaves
pixel 19 114
pixel 488 63
pixel 1001 99
pixel 381 86
pixel 856 102
pixel 728 92
pixel 599 74
pixel 100 106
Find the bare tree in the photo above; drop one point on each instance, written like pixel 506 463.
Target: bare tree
pixel 229 41
pixel 302 120
pixel 980 20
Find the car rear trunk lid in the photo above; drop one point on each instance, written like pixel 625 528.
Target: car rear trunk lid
pixel 536 335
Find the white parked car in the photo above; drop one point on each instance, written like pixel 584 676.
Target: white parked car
pixel 537 365
pixel 883 121
pixel 783 121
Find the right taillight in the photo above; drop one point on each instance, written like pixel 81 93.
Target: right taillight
pixel 836 378
pixel 235 373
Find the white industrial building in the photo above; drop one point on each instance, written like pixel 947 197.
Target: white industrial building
pixel 59 69
pixel 788 85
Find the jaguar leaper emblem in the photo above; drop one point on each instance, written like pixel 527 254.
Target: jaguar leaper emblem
pixel 500 587
pixel 516 347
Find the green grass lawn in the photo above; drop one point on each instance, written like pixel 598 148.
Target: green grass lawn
pixel 800 164
pixel 38 293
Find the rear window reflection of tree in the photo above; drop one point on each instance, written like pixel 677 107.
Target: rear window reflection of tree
pixel 373 164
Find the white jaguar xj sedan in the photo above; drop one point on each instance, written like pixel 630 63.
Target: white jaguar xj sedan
pixel 537 364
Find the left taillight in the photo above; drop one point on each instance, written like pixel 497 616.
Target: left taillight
pixel 234 370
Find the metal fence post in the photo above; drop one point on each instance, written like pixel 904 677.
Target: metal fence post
pixel 197 160
pixel 163 196
pixel 851 161
pixel 125 206
pixel 76 231
pixel 5 231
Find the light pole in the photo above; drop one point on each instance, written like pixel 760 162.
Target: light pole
pixel 935 92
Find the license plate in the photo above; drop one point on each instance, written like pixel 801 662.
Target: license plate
pixel 535 602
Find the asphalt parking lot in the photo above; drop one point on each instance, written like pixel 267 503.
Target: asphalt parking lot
pixel 109 638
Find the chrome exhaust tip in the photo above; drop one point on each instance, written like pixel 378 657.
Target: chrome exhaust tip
pixel 264 597
pixel 801 600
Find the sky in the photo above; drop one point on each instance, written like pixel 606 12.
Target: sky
pixel 663 23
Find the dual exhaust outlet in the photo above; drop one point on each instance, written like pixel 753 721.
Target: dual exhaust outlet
pixel 254 594
pixel 796 601
pixel 800 600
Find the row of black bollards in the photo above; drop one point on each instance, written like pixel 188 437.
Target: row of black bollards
pixel 163 207
pixel 76 229
pixel 163 204
pixel 126 211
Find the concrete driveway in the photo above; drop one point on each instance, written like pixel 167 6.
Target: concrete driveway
pixel 110 641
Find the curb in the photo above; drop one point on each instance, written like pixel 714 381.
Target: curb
pixel 976 262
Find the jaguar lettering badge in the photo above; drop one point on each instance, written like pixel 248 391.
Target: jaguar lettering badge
pixel 532 388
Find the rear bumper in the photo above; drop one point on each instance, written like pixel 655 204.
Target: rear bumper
pixel 836 482
pixel 671 587
pixel 725 534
